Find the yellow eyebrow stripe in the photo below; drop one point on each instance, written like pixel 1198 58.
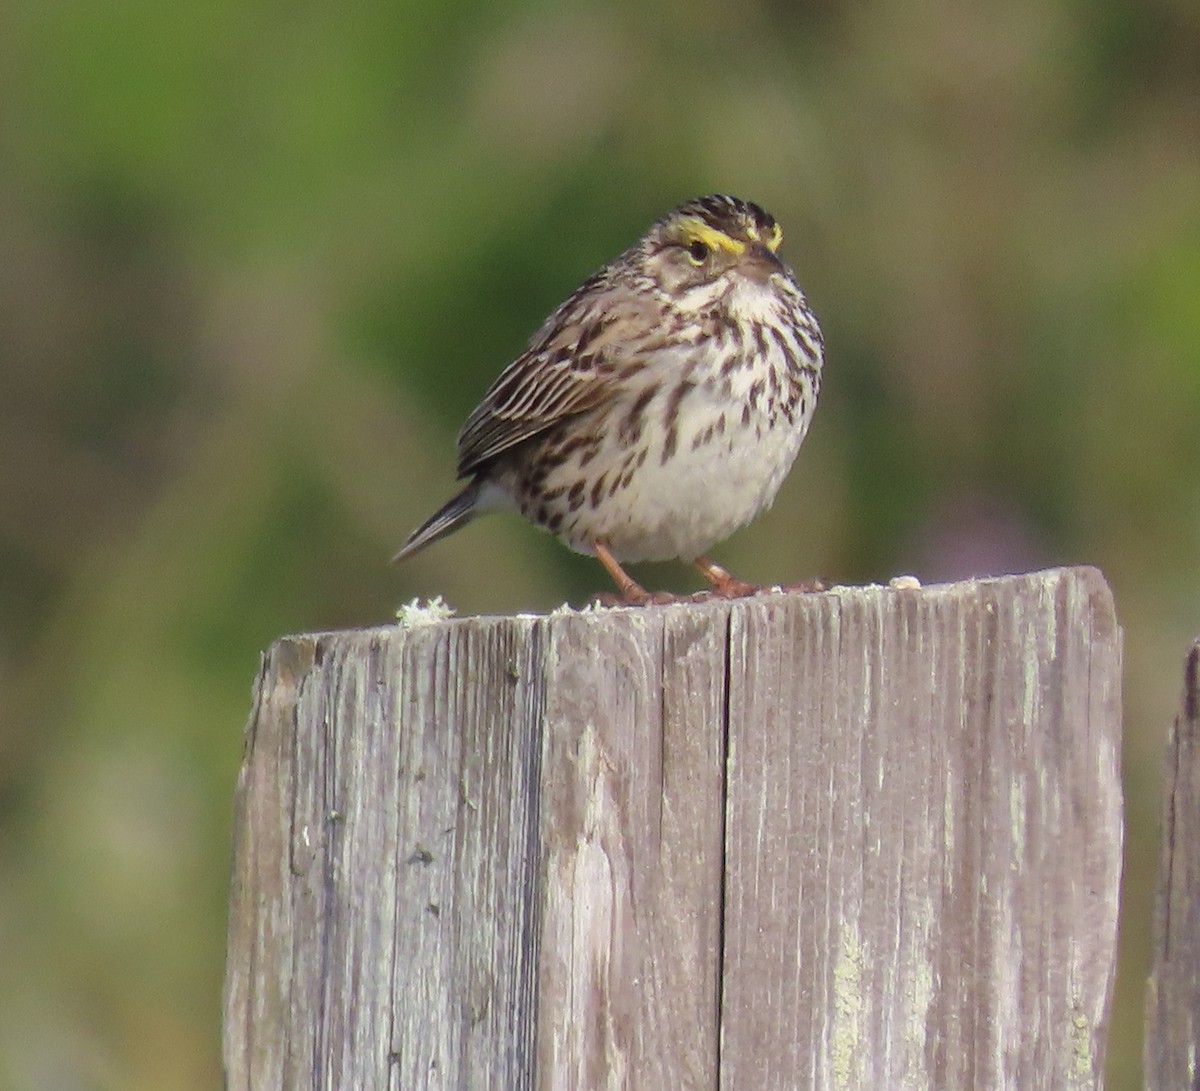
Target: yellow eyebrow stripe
pixel 772 241
pixel 698 231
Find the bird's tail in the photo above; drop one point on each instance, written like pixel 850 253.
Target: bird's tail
pixel 447 519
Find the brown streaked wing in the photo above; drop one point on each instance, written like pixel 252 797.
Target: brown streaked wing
pixel 580 356
pixel 534 393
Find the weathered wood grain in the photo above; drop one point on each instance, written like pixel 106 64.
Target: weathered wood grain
pixel 1172 1054
pixel 868 838
pixel 924 837
pixel 632 834
pixel 382 927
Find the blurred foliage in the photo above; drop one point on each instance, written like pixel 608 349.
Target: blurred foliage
pixel 259 260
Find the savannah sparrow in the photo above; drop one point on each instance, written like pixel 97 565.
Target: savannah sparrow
pixel 659 408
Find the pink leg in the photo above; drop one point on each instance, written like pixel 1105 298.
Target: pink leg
pixel 725 585
pixel 632 593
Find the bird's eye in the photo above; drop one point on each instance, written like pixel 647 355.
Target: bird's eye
pixel 698 251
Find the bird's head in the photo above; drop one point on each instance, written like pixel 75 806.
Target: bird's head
pixel 711 242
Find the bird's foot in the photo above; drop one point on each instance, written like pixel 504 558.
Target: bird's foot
pixel 725 585
pixel 636 596
pixel 807 587
pixel 630 592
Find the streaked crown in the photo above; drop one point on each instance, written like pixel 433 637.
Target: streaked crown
pixel 707 245
pixel 724 223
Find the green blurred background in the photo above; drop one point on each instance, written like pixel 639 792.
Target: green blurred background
pixel 259 260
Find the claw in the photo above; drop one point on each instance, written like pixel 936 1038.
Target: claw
pixel 724 584
pixel 632 593
pixel 807 586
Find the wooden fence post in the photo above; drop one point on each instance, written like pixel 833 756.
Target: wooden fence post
pixel 1172 1054
pixel 864 839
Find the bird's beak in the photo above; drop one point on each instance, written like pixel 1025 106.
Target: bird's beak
pixel 760 263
